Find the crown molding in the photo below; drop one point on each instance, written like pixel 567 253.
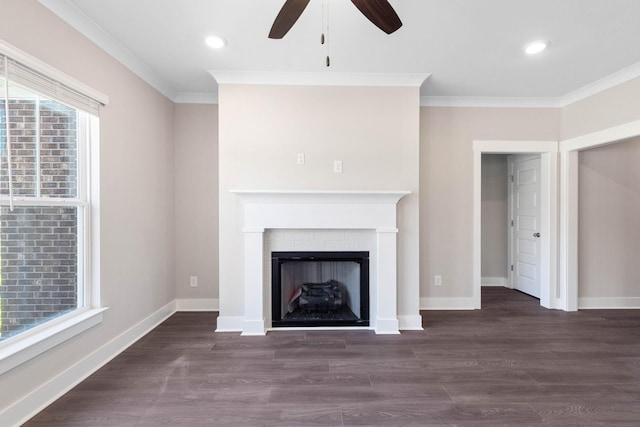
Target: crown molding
pixel 491 102
pixel 319 79
pixel 601 85
pixel 196 98
pixel 591 89
pixel 69 13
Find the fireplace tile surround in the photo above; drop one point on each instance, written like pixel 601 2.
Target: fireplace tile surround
pixel 319 220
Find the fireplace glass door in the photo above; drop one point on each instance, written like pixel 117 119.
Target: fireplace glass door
pixel 320 289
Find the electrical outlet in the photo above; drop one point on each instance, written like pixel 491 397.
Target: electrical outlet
pixel 300 159
pixel 337 166
pixel 193 281
pixel 437 280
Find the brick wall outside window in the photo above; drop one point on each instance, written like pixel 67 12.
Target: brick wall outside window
pixel 38 244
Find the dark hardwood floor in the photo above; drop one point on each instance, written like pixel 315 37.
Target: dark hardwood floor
pixel 511 363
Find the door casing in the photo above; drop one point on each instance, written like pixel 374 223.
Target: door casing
pixel 548 150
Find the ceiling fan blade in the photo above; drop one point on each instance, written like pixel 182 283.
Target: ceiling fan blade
pixel 381 13
pixel 287 16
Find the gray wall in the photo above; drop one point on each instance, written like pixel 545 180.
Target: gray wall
pixel 494 216
pixel 196 200
pixel 609 221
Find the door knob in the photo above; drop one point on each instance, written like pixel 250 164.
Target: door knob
pixel 536 234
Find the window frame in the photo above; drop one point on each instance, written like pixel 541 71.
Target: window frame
pixel 34 341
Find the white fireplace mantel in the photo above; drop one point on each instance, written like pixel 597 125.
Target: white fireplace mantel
pixel 355 210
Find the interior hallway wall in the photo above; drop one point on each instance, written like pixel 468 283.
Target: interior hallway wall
pixel 609 222
pixel 495 232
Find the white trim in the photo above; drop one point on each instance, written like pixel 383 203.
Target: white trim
pixel 489 102
pixel 601 85
pixel 548 228
pixel 410 322
pixel 254 327
pixel 591 89
pixel 495 281
pixel 51 72
pixel 447 304
pixel 30 344
pixel 319 79
pixel 568 245
pixel 609 303
pixel 602 137
pixel 73 16
pixel 27 407
pixel 197 304
pixel 513 147
pixel 385 326
pixel 229 323
pixel 196 98
pixel 325 196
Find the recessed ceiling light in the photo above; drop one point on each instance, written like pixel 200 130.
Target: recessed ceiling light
pixel 535 47
pixel 215 42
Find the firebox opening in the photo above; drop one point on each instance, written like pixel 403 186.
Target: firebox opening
pixel 320 289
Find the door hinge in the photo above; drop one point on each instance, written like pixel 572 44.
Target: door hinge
pixel 511 178
pixel 512 267
pixel 512 223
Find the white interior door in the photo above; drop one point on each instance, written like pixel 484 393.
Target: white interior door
pixel 525 230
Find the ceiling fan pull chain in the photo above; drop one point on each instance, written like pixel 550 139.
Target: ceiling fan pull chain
pixel 328 38
pixel 323 20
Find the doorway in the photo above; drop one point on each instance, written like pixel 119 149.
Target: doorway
pixel 548 154
pixel 568 247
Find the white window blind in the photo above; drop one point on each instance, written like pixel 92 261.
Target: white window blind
pixel 22 75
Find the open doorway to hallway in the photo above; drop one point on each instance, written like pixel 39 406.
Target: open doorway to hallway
pixel 511 211
pixel 533 235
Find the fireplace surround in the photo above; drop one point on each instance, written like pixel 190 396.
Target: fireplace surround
pixel 268 210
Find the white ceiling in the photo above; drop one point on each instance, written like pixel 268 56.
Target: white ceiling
pixel 471 48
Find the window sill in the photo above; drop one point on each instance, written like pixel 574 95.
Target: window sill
pixel 16 352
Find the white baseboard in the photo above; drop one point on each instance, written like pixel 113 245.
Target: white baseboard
pixel 230 323
pixel 495 281
pixel 26 408
pixel 410 323
pixel 447 304
pixel 386 326
pixel 197 304
pixel 609 303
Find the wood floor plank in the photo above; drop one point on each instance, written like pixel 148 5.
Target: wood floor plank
pixel 513 363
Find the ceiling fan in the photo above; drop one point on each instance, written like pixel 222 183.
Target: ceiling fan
pixel 379 12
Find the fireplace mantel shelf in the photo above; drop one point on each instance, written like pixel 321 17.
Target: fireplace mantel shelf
pixel 327 196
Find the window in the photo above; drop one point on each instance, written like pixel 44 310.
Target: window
pixel 47 130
